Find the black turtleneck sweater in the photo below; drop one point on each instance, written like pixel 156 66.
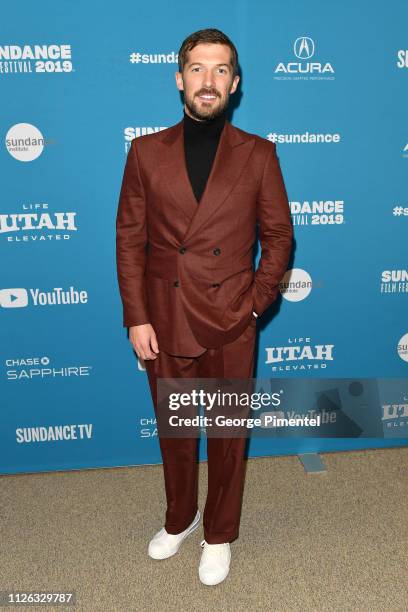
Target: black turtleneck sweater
pixel 200 145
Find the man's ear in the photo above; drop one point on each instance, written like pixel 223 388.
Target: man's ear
pixel 234 84
pixel 179 81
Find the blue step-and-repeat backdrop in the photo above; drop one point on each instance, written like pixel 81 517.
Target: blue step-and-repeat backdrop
pixel 328 82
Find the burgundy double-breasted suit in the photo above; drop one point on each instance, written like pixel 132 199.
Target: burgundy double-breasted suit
pixel 187 268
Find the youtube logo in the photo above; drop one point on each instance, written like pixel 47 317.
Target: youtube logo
pixel 19 297
pixel 13 298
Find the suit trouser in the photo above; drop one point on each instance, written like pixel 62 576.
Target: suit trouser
pixel 225 455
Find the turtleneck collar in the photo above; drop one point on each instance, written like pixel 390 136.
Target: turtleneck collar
pixel 210 127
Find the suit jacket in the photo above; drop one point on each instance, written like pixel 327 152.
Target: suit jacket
pixel 187 267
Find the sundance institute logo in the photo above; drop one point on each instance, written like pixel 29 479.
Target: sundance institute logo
pixel 25 142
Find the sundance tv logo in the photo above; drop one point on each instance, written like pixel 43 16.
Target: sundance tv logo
pixel 304 68
pixel 19 297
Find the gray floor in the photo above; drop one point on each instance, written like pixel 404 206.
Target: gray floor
pixel 331 542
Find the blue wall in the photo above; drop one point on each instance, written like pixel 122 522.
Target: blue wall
pixel 317 70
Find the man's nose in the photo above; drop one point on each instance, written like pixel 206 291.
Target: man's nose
pixel 209 80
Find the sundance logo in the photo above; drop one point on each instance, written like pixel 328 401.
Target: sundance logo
pixel 19 297
pixel 317 212
pixel 305 138
pixel 132 132
pixel 31 52
pixel 135 132
pixel 402 347
pixel 52 433
pixel 296 285
pixel 402 61
pixel 25 142
pixel 153 58
pixel 35 58
pixel 394 281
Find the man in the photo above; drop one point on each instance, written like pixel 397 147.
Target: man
pixel 190 200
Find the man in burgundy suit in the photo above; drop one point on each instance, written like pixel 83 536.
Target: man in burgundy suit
pixel 191 198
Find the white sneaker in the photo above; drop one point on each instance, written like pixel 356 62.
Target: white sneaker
pixel 215 562
pixel 164 545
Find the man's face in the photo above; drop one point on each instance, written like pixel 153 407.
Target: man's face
pixel 207 81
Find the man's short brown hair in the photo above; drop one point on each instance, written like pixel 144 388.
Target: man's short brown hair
pixel 209 35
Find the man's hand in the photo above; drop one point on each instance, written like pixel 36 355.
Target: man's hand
pixel 144 341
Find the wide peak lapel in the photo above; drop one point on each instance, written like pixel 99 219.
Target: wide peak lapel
pixel 231 156
pixel 173 170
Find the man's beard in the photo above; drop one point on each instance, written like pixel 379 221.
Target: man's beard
pixel 205 113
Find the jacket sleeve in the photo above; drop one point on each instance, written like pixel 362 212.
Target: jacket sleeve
pixel 275 233
pixel 131 243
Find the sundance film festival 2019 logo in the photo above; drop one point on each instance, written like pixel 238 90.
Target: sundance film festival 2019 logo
pixel 305 67
pixel 35 58
pixel 132 132
pixel 37 224
pixel 394 281
pixel 25 142
pixel 317 212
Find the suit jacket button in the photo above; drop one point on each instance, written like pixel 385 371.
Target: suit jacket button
pixel 182 250
pixel 176 283
pixel 215 285
pixel 217 251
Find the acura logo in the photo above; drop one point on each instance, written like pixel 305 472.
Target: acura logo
pixel 303 47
